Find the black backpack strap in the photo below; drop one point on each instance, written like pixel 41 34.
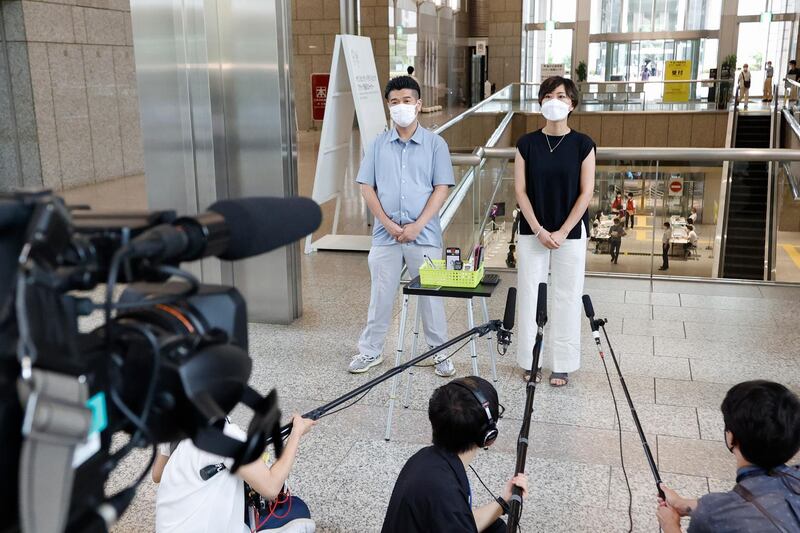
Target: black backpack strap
pixel 748 496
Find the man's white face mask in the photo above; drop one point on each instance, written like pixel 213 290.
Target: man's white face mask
pixel 403 114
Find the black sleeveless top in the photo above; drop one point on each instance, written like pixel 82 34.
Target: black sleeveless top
pixel 553 180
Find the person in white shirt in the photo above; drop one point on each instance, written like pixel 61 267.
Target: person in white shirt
pixel 665 243
pixel 692 244
pixel 692 218
pixel 188 503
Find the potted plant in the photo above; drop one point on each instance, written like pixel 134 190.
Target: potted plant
pixel 581 72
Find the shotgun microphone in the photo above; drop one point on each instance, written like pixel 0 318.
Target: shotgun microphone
pixel 588 308
pixel 541 306
pixel 504 334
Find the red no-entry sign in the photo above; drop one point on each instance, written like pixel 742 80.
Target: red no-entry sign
pixel 676 186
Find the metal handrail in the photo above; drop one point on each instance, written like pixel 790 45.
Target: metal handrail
pixel 658 153
pixel 794 183
pixel 462 116
pixel 792 82
pixel 606 82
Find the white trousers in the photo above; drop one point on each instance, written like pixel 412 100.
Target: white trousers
pixel 562 337
pixel 385 264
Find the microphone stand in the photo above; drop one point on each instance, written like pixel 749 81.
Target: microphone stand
pixel 515 510
pixel 600 323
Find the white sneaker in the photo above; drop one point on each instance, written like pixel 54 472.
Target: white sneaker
pixel 361 363
pixel 444 366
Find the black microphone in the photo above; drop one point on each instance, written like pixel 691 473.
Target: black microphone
pixel 231 230
pixel 504 333
pixel 588 308
pixel 541 306
pixel 511 305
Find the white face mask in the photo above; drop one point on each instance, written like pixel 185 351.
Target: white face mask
pixel 555 110
pixel 403 114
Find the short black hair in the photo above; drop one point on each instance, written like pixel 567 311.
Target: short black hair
pixel 399 83
pixel 457 419
pixel 792 62
pixel 667 225
pixel 551 84
pixel 616 220
pixel 410 70
pixel 764 418
pixel 690 227
pixel 630 195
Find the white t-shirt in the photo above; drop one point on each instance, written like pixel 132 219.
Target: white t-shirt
pixel 692 238
pixel 186 503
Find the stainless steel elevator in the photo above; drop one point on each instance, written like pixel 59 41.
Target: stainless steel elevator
pixel 218 121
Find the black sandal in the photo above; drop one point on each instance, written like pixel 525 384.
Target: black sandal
pixel 526 376
pixel 561 376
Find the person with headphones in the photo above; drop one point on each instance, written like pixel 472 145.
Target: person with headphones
pixel 762 430
pixel 432 492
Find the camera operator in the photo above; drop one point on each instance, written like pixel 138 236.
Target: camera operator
pixel 432 492
pixel 187 502
pixel 762 430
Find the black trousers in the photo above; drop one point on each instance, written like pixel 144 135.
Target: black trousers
pixel 629 219
pixel 665 255
pixel 614 244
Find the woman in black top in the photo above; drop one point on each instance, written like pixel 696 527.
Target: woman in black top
pixel 554 182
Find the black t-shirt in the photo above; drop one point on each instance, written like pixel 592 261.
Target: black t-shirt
pixel 553 180
pixel 432 494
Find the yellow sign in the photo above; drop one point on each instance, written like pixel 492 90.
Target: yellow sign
pixel 677 70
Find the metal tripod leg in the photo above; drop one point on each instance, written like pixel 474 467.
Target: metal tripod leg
pixel 410 376
pixel 489 342
pixel 397 361
pixel 473 344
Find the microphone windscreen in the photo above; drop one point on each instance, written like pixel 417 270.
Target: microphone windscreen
pixel 511 305
pixel 260 224
pixel 541 304
pixel 587 306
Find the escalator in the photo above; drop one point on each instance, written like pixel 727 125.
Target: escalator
pixel 747 210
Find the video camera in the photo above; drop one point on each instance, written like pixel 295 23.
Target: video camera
pixel 168 362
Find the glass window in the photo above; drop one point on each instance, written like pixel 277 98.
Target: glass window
pixel 613 16
pixel 785 6
pixel 753 7
pixel 548 47
pixel 557 10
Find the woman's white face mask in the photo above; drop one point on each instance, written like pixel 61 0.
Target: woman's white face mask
pixel 403 114
pixel 555 110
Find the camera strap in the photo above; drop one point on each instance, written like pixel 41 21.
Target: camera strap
pixel 56 420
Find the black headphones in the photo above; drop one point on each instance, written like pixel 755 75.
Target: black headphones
pixel 488 432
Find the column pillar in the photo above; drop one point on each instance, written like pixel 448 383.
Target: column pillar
pixel 218 122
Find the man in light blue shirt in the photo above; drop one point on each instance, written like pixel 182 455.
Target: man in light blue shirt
pixel 404 177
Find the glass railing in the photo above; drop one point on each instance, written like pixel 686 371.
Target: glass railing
pixel 665 184
pixel 702 95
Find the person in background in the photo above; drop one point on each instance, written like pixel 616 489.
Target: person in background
pixel 554 182
pixel 762 431
pixel 692 244
pixel 405 178
pixel 515 223
pixel 792 73
pixel 615 235
pixel 692 218
pixel 410 71
pixel 617 205
pixel 768 73
pixel 744 85
pixel 630 211
pixel 432 492
pixel 593 233
pixel 665 238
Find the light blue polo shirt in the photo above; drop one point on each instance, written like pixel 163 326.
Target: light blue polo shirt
pixel 404 175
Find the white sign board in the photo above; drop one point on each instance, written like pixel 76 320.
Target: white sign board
pixel 353 89
pixel 480 48
pixel 552 69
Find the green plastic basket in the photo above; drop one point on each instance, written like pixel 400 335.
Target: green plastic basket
pixel 441 277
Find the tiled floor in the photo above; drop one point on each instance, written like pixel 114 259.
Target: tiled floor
pixel 680 345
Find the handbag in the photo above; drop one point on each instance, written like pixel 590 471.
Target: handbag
pixel 746 84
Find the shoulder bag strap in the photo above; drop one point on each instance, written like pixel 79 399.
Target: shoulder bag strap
pixel 745 493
